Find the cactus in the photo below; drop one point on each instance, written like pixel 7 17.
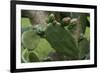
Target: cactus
pixel 67 41
pixel 29 39
pixel 39 29
pixel 62 41
pixel 50 18
pixel 57 41
pixel 43 49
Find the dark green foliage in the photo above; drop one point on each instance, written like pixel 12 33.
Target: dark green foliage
pixel 62 41
pixel 83 48
pixel 33 56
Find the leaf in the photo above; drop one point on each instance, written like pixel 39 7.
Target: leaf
pixel 30 40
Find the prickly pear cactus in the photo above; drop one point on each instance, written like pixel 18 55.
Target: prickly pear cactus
pixel 57 41
pixel 62 41
pixel 67 41
pixel 29 39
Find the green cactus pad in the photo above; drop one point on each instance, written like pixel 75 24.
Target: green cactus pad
pixel 43 49
pixel 62 41
pixel 29 39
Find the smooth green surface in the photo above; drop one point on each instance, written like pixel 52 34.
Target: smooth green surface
pixel 62 41
pixel 25 22
pixel 43 49
pixel 30 40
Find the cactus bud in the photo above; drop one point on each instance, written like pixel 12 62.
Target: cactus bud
pixel 55 22
pixel 50 18
pixel 66 21
pixel 74 21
